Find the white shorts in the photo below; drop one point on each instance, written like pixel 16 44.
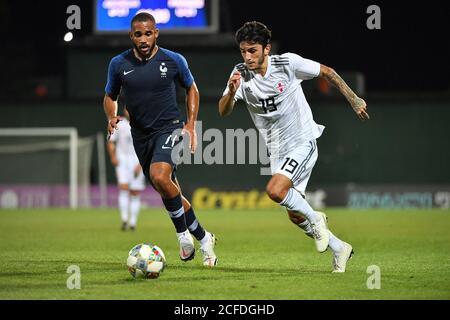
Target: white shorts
pixel 297 165
pixel 125 175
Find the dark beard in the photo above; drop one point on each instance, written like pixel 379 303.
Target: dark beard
pixel 261 60
pixel 140 53
pixel 259 64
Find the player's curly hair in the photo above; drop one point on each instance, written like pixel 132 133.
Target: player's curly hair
pixel 254 31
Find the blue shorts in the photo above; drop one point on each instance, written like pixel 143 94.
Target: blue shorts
pixel 157 147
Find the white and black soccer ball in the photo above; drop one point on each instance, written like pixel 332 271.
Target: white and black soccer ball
pixel 146 260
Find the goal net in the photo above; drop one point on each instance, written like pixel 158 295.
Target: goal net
pixel 44 167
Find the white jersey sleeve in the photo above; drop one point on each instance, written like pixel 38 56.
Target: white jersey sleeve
pixel 238 95
pixel 304 69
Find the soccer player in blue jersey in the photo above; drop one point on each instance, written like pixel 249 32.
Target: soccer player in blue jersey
pixel 146 77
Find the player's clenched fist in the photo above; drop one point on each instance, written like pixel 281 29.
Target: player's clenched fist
pixel 234 82
pixel 112 125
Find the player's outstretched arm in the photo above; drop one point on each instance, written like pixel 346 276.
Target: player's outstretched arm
pixel 358 104
pixel 226 103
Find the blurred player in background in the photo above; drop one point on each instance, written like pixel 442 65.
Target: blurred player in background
pixel 270 87
pixel 147 75
pixel 130 179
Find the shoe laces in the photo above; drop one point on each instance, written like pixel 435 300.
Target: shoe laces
pixel 335 265
pixel 315 233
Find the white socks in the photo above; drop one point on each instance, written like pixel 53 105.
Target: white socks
pixel 295 202
pixel 129 204
pixel 135 206
pixel 203 241
pixel 335 243
pixel 124 202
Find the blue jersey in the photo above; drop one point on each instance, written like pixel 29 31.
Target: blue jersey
pixel 149 88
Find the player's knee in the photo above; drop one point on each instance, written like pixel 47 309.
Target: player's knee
pixel 159 179
pixel 278 187
pixel 273 195
pixel 275 192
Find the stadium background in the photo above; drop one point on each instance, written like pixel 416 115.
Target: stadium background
pixel 383 175
pixel 397 159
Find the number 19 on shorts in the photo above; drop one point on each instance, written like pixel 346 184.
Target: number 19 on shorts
pixel 289 165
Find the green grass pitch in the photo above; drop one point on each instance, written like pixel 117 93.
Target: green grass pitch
pixel 261 256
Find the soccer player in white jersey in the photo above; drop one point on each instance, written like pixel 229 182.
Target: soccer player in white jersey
pixel 130 179
pixel 270 87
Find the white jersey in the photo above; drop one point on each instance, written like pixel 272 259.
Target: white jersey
pixel 124 143
pixel 277 104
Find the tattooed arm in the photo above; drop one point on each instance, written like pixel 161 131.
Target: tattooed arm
pixel 358 104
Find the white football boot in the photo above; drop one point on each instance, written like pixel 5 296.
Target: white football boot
pixel 341 258
pixel 324 216
pixel 187 249
pixel 207 250
pixel 320 233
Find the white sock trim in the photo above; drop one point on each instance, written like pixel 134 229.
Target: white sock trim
pixel 176 214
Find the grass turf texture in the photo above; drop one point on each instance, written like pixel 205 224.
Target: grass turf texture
pixel 261 256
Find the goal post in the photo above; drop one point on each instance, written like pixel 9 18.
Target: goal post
pixel 18 145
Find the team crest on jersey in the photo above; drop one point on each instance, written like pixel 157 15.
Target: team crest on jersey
pixel 163 70
pixel 280 86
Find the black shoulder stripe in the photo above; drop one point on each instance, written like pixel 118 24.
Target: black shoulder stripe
pixel 279 65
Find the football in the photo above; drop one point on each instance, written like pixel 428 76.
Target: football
pixel 146 260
